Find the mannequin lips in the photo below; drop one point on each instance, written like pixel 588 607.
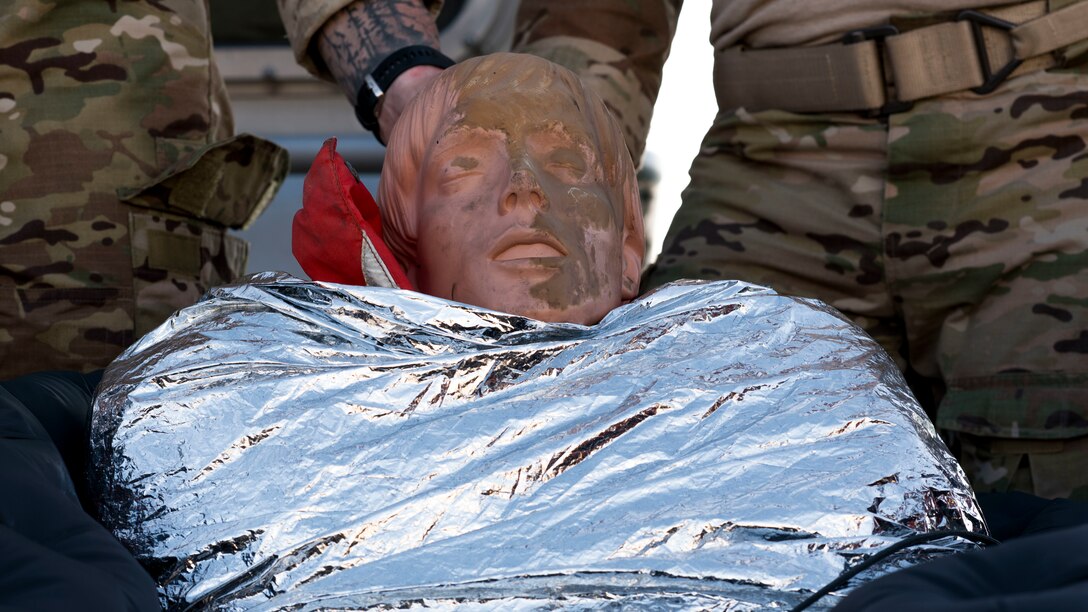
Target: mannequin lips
pixel 527 246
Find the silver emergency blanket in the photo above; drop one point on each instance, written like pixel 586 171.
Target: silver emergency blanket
pixel 293 445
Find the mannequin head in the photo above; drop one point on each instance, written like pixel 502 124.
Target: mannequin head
pixel 507 185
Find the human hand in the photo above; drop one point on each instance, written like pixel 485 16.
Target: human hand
pixel 400 93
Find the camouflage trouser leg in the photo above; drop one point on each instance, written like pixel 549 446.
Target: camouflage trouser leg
pixel 118 173
pixel 80 282
pixel 793 202
pixel 65 283
pixel 958 238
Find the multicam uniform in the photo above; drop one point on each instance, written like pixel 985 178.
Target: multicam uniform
pixel 119 176
pixel 955 232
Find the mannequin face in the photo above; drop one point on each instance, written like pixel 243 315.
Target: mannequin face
pixel 513 211
pixel 515 215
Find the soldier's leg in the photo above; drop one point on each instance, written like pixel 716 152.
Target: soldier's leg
pixel 65 281
pixel 987 246
pixel 793 202
pixel 117 179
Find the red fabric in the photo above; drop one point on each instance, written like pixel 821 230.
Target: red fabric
pixel 338 219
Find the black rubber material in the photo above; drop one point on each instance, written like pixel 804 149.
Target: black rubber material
pixel 53 555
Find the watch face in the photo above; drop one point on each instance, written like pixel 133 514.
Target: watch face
pixel 375 89
pixel 366 102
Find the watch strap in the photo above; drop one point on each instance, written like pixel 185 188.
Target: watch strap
pixel 376 83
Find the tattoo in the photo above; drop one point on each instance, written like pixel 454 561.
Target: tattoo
pixel 355 40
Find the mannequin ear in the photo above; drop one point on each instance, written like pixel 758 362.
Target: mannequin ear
pixel 634 238
pixel 632 270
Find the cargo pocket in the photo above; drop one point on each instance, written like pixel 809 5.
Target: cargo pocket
pixel 228 183
pixel 179 224
pixel 175 260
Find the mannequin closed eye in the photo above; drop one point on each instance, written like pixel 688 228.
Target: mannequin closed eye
pixel 460 167
pixel 463 171
pixel 466 163
pixel 463 154
pixel 567 163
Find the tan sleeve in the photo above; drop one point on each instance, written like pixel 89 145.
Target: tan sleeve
pixel 617 46
pixel 303 19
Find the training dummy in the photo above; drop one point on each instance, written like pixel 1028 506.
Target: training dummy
pixel 289 443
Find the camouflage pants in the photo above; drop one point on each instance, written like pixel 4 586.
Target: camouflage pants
pixel 78 284
pixel 118 176
pixel 956 234
pixel 86 268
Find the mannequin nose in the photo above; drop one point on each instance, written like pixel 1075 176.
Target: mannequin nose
pixel 524 190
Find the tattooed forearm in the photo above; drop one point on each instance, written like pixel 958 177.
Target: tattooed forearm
pixel 361 35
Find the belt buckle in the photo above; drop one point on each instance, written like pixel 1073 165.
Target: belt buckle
pixel 878 34
pixel 979 20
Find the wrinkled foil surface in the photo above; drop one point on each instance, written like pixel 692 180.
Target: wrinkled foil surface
pixel 293 445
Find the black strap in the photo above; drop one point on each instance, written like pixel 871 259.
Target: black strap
pixel 375 83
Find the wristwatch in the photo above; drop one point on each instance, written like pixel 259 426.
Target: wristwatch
pixel 375 83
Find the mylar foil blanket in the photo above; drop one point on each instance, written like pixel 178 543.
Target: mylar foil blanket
pixel 290 445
